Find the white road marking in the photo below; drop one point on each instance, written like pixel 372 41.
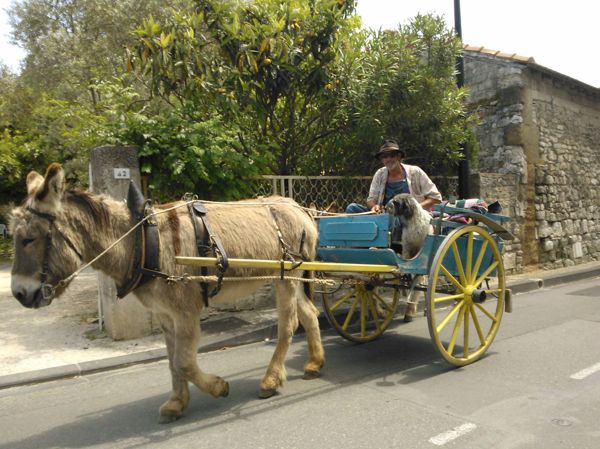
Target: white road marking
pixel 443 438
pixel 586 372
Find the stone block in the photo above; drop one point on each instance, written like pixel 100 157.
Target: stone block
pixel 577 250
pixel 547 245
pixel 111 170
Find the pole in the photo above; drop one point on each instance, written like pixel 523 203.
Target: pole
pixel 464 190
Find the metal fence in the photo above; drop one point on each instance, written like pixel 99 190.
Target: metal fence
pixel 333 192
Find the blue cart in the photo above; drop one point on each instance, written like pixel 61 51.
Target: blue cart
pixel 460 269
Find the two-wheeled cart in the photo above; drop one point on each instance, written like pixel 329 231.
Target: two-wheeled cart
pixel 459 268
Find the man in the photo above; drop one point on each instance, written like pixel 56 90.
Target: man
pixel 395 177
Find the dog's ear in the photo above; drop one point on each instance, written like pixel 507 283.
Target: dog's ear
pixel 394 207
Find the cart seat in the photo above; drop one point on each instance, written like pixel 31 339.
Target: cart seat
pixel 355 231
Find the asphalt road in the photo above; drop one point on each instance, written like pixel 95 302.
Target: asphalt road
pixel 537 387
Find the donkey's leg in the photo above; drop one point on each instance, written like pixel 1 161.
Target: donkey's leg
pixel 286 326
pixel 308 313
pixel 185 363
pixel 180 395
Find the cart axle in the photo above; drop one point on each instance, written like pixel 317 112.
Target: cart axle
pixel 479 296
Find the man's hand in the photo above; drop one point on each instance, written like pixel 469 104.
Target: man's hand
pixel 377 209
pixel 428 203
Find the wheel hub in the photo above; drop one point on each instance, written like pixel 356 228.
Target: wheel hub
pixel 478 296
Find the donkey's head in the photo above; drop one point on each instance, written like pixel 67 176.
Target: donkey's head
pixel 44 254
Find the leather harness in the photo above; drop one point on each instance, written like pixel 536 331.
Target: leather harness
pixel 205 242
pixel 145 263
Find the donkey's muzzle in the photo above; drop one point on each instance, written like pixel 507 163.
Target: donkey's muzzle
pixel 32 299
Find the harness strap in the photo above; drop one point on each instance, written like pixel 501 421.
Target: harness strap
pixel 48 290
pixel 201 245
pixel 286 253
pixel 206 241
pixel 145 260
pixel 151 247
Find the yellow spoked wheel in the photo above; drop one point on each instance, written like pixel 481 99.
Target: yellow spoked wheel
pixel 465 295
pixel 360 310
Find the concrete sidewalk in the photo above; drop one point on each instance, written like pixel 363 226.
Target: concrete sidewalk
pixel 63 339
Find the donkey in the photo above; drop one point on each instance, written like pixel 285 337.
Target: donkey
pixel 57 229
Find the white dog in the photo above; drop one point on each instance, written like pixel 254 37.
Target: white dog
pixel 415 225
pixel 415 221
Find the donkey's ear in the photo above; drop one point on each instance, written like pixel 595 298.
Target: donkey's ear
pixel 53 187
pixel 34 181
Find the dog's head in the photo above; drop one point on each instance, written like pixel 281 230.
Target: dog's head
pixel 403 205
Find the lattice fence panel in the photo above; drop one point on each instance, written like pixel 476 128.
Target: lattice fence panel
pixel 334 192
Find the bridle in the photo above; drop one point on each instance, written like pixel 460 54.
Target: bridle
pixel 49 290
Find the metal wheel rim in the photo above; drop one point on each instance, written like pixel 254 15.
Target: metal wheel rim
pixel 361 303
pixel 465 314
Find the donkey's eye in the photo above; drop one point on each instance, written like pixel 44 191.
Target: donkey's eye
pixel 26 242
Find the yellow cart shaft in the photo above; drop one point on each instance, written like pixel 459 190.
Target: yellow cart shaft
pixel 276 265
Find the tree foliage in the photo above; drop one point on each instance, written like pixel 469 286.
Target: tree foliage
pixel 215 92
pixel 180 151
pixel 400 84
pixel 265 65
pixel 72 44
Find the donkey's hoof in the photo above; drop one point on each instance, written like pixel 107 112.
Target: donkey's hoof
pixel 408 318
pixel 225 390
pixel 221 389
pixel 170 411
pixel 167 417
pixel 310 375
pixel 266 393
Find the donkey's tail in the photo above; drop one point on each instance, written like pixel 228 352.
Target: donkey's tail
pixel 309 287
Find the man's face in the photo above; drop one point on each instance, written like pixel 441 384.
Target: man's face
pixel 391 160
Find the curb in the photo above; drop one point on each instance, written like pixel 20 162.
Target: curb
pixel 251 333
pixel 551 279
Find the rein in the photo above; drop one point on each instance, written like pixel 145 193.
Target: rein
pixel 49 290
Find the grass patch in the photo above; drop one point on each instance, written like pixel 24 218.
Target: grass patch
pixel 94 334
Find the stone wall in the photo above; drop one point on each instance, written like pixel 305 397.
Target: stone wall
pixel 543 129
pixel 503 188
pixel 495 93
pixel 567 177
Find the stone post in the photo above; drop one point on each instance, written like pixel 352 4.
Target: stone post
pixel 111 170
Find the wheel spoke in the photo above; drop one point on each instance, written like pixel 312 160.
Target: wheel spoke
pixel 342 300
pixel 466 331
pixel 485 274
pixel 350 313
pixel 451 278
pixel 448 298
pixel 477 326
pixel 491 268
pixel 469 264
pixel 374 313
pixel 489 315
pixel 459 266
pixel 455 330
pixel 382 302
pixel 363 314
pixel 448 317
pixel 479 259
